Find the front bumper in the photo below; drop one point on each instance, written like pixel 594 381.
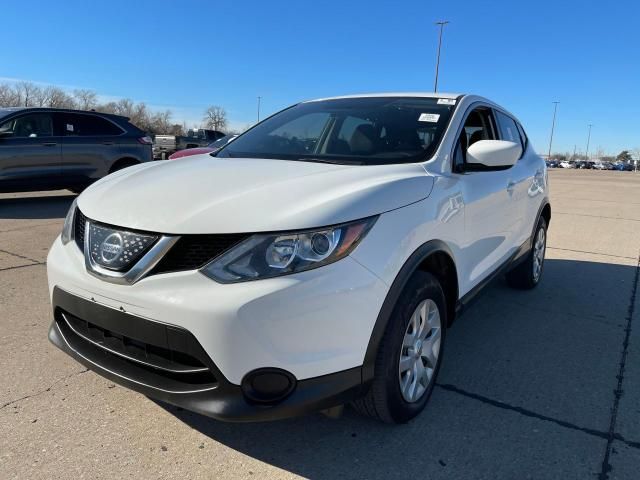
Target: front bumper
pixel 311 324
pixel 155 374
pixel 315 326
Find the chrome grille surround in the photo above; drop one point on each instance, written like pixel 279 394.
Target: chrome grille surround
pixel 139 268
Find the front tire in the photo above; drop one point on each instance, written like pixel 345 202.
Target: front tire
pixel 410 353
pixel 527 275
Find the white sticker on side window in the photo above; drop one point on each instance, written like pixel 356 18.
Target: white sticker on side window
pixel 446 101
pixel 429 117
pixel 69 127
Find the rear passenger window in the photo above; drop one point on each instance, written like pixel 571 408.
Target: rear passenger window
pixel 508 128
pixel 89 125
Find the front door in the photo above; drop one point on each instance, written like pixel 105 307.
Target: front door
pixel 30 152
pixel 488 206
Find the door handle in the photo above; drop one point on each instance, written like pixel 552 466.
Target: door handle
pixel 50 144
pixel 107 143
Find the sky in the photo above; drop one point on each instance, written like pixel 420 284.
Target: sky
pixel 187 55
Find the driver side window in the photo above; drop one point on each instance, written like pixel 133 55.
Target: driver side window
pixel 479 125
pixel 29 126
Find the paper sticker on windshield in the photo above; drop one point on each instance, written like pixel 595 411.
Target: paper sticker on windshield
pixel 69 127
pixel 446 101
pixel 429 117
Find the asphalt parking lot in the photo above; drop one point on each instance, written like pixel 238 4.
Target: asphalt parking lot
pixel 539 384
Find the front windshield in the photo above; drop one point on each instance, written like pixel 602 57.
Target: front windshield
pixel 361 131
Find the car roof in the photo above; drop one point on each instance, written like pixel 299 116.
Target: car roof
pixel 4 111
pixel 392 94
pixel 465 98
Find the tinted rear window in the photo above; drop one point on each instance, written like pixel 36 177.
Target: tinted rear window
pixel 89 125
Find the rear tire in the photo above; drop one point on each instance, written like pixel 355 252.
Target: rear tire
pixel 418 342
pixel 527 275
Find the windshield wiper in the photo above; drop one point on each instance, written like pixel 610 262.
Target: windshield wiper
pixel 331 161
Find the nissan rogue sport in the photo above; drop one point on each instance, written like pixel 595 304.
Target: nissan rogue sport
pixel 50 149
pixel 316 260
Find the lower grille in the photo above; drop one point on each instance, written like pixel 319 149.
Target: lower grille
pixel 167 364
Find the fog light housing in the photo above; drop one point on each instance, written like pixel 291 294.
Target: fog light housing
pixel 268 385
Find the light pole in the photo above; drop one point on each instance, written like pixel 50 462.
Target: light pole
pixel 553 125
pixel 588 140
pixel 259 98
pixel 442 23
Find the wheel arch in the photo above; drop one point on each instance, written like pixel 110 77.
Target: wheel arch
pixel 546 212
pixel 434 257
pixel 123 162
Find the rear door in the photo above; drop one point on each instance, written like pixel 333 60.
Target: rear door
pixel 89 146
pixel 30 152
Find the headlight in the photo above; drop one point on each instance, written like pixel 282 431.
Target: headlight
pixel 67 228
pixel 271 255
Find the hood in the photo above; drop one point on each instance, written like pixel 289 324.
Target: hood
pixel 204 194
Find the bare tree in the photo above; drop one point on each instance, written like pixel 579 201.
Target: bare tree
pixel 8 96
pixel 58 98
pixel 125 107
pixel 40 97
pixel 27 92
pixel 109 107
pixel 215 117
pixel 161 122
pixel 85 99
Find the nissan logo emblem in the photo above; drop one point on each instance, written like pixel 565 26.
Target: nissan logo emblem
pixel 111 248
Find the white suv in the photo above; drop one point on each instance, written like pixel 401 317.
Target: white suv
pixel 316 260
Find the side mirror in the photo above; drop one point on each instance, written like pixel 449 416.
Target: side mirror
pixel 494 153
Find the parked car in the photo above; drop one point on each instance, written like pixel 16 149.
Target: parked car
pixel 599 166
pixel 583 164
pixel 212 147
pixel 623 167
pixel 318 260
pixel 552 164
pixel 50 149
pixel 166 145
pixel 566 164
